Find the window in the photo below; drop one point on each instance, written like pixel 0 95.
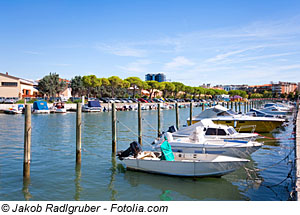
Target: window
pixel 9 84
pixel 221 132
pixel 211 131
pixel 215 131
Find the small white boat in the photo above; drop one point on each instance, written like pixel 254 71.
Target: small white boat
pixel 58 108
pixel 15 110
pixel 40 107
pixel 274 110
pixel 178 164
pixel 184 164
pixel 92 106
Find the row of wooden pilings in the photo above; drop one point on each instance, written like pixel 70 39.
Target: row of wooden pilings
pixel 28 128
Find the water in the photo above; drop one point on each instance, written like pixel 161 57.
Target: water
pixel 54 175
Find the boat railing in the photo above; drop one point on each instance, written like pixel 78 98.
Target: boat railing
pixel 247 126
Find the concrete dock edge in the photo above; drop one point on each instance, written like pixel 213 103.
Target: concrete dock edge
pixel 297 189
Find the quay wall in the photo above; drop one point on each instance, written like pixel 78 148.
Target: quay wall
pixel 298 156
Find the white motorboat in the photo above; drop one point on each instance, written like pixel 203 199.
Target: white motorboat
pixel 92 106
pixel 197 143
pixel 280 106
pixel 274 111
pixel 40 107
pixel 212 131
pixel 184 164
pixel 58 108
pixel 15 110
pixel 221 115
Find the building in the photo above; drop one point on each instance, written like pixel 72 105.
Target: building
pixel 260 88
pixel 160 77
pixel 236 87
pixel 11 86
pixel 283 87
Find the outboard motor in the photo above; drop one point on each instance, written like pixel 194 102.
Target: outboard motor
pixel 172 129
pixel 133 149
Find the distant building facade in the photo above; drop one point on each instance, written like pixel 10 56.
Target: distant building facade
pixel 160 77
pixel 236 87
pixel 283 87
pixel 11 86
pixel 260 88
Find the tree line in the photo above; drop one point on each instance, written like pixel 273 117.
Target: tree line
pixel 92 86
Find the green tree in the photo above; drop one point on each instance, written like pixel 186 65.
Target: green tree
pixel 188 90
pixel 135 83
pixel 167 88
pixel 115 83
pixel 51 85
pixel 153 85
pixel 126 86
pixel 256 95
pixel 77 86
pixel 178 87
pixel 267 94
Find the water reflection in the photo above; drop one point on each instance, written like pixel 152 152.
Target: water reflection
pixel 25 189
pixel 77 180
pixel 199 188
pixel 112 178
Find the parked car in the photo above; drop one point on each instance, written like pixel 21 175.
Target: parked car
pixel 2 99
pixel 11 100
pixel 142 100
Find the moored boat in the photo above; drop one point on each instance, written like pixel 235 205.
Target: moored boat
pixel 15 110
pixel 92 106
pixel 212 131
pixel 182 164
pixel 58 107
pixel 243 123
pixel 40 107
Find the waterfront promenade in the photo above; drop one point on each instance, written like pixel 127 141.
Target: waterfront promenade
pixel 298 156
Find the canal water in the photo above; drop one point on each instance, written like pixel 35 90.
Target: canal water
pixel 54 175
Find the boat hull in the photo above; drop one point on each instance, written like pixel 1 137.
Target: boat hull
pixel 260 125
pixel 41 111
pixel 186 168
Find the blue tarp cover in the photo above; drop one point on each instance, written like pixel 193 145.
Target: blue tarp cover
pixel 40 105
pixel 166 151
pixel 94 104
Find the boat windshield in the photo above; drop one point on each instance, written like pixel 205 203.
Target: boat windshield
pixel 231 131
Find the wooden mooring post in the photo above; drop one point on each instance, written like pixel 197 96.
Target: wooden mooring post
pixel 158 119
pixel 27 142
pixel 191 113
pixel 203 106
pixel 140 124
pixel 227 105
pixel 177 115
pixel 78 132
pixel 236 107
pixel 240 109
pixel 245 107
pixel 114 129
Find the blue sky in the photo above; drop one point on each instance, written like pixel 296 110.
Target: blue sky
pixel 194 42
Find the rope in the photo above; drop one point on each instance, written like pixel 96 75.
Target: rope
pixel 275 164
pixel 154 129
pixel 148 143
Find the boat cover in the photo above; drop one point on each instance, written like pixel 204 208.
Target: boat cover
pixel 40 105
pixel 166 151
pixel 94 104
